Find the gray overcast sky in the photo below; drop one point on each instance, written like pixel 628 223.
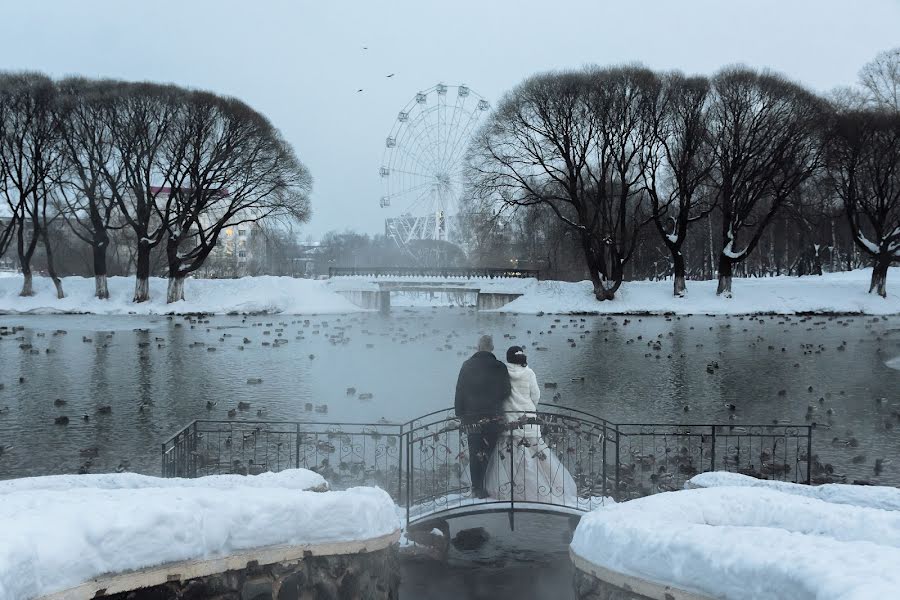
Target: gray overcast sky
pixel 300 63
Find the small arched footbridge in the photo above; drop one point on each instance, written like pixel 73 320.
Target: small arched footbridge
pixel 371 287
pixel 424 463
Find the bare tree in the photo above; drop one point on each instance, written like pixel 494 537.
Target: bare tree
pixel 574 142
pixel 881 80
pixel 679 168
pixel 864 166
pixel 140 173
pixel 29 151
pixel 229 166
pixel 88 152
pixel 766 143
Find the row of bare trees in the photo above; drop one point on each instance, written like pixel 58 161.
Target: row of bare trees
pixel 175 167
pixel 610 151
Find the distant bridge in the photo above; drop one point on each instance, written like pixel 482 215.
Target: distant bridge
pixel 371 287
pixel 445 272
pixel 423 463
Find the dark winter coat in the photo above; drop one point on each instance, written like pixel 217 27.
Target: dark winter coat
pixel 482 387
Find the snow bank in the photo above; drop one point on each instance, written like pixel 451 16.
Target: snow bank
pixel 875 496
pixel 55 538
pixel 214 296
pixel 844 292
pixel 831 293
pixel 293 479
pixel 747 543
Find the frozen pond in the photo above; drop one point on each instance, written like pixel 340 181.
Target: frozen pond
pixel 159 373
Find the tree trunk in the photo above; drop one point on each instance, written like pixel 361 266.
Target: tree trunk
pixel 142 274
pixel 879 276
pixel 712 254
pixel 27 288
pixel 102 290
pixel 817 260
pixel 726 265
pixel 51 269
pixel 678 271
pixel 835 255
pixel 176 289
pixel 101 287
pixel 25 255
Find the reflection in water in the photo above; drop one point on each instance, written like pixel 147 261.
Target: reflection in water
pixel 159 373
pixel 530 563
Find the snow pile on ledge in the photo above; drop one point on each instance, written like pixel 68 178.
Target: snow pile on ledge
pixel 747 543
pixel 292 479
pixel 883 497
pixel 55 538
pixel 214 296
pixel 844 292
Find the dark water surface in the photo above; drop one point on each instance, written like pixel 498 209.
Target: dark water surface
pixel 158 373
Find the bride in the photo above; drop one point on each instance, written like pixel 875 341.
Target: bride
pixel 537 473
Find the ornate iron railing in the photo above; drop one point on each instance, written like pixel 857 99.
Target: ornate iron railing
pixel 554 460
pixel 464 272
pixel 345 454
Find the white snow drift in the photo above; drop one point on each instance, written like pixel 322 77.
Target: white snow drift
pixel 747 543
pixel 59 532
pixel 213 296
pixel 883 497
pixel 844 292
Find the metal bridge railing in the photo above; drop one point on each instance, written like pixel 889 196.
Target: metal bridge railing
pixel 554 460
pixel 462 272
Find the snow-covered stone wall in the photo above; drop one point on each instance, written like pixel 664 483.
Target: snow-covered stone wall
pixel 73 536
pixel 744 542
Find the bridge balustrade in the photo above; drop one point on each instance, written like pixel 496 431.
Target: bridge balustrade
pixel 444 272
pixel 424 463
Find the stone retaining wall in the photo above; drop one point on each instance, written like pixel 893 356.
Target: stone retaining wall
pixel 368 576
pixel 357 570
pixel 593 582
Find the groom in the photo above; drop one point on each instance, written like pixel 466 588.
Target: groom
pixel 481 389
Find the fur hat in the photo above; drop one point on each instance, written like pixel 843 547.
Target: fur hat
pixel 516 356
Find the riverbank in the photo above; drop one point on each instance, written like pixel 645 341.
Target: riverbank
pixel 249 295
pixel 832 293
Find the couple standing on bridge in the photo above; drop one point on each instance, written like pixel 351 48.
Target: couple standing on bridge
pixel 508 457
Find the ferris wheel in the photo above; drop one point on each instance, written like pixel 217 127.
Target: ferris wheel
pixel 422 168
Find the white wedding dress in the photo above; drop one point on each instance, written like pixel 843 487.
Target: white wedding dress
pixel 523 467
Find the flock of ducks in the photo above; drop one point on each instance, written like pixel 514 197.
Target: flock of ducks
pixel 340 331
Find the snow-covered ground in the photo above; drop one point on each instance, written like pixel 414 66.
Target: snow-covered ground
pixel 293 479
pixel 59 532
pixel 844 292
pixel 214 296
pixel 883 497
pixel 748 543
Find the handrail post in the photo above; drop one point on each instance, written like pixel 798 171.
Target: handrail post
pixel 297 448
pixel 712 452
pixel 618 443
pixel 512 480
pixel 400 466
pixel 603 473
pixel 192 456
pixel 809 454
pixel 409 473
